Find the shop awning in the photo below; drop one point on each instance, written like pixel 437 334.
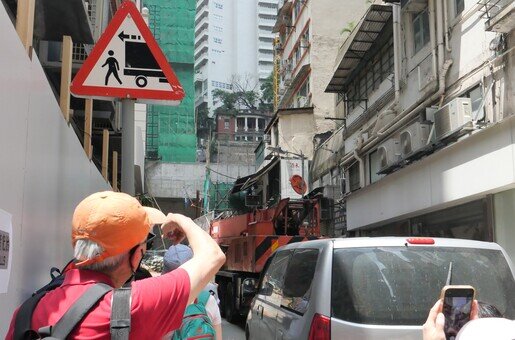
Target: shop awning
pixel 55 18
pixel 356 46
pixel 246 182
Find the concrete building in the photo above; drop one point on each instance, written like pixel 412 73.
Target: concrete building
pixel 233 43
pixel 309 33
pixel 427 92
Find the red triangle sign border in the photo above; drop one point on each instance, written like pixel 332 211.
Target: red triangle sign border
pixel 78 89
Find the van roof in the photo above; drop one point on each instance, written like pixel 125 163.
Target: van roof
pixel 353 242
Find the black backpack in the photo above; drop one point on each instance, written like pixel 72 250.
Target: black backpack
pixel 120 311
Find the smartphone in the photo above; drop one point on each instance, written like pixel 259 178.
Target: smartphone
pixel 457 305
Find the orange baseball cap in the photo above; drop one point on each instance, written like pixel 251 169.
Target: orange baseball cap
pixel 114 220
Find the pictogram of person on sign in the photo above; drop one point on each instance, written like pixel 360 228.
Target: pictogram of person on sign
pixel 113 65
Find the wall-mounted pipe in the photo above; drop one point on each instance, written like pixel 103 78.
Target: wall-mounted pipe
pixel 396 8
pixel 405 116
pixel 432 37
pixel 446 25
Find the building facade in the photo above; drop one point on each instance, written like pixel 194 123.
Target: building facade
pixel 427 92
pixel 171 131
pixel 233 44
pixel 307 39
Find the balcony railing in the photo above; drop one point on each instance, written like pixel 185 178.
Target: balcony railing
pixel 499 15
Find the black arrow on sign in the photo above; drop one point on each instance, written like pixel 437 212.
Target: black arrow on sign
pixel 123 36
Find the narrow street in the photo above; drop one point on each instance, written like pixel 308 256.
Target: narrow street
pixel 330 169
pixel 232 332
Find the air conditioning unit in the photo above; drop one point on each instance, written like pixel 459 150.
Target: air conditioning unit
pixel 414 138
pixel 302 100
pixel 453 117
pixel 389 153
pixel 267 138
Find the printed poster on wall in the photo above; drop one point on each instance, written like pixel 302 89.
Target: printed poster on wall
pixel 5 249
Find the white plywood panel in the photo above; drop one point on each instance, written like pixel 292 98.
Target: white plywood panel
pixel 44 171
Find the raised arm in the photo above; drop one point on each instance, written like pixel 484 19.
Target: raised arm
pixel 207 255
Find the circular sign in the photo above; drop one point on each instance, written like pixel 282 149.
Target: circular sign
pixel 298 184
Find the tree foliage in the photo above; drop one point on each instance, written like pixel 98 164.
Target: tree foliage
pixel 244 95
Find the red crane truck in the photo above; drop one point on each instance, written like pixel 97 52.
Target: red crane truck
pixel 248 240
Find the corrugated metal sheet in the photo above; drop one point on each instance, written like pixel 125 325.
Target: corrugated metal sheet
pixel 355 48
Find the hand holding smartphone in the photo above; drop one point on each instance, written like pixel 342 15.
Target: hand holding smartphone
pixel 457 308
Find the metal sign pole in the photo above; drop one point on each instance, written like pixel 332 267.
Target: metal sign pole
pixel 128 146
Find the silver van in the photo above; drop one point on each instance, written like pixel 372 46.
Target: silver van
pixel 371 288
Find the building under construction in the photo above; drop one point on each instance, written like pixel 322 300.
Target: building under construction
pixel 171 131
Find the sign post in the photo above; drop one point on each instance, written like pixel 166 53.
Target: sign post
pixel 128 144
pixel 127 64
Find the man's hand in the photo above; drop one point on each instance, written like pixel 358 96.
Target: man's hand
pixel 173 228
pixel 433 328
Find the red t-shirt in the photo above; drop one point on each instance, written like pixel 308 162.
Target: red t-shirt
pixel 157 306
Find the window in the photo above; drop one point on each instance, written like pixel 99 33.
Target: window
pixel 354 182
pixel 272 281
pixel 227 123
pixel 374 162
pixel 377 285
pixel 420 30
pixel 373 73
pixel 298 278
pixel 240 123
pixel 459 5
pixel 261 124
pixel 476 97
pixel 296 10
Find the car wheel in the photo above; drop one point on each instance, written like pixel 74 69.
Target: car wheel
pixel 230 313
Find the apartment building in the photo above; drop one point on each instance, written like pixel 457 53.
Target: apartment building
pixel 233 43
pixel 308 34
pixel 426 89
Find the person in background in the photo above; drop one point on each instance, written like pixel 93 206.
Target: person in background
pixel 173 258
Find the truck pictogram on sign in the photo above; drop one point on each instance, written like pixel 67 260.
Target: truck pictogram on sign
pixel 127 62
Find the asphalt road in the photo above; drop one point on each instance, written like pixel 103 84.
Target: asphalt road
pixel 232 332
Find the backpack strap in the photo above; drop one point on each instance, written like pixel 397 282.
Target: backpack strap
pixel 22 324
pixel 76 312
pixel 199 306
pixel 121 314
pixel 203 297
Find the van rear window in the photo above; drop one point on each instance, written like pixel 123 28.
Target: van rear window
pixel 398 285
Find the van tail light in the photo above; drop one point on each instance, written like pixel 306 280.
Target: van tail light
pixel 420 240
pixel 320 328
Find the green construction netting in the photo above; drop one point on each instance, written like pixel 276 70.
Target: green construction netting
pixel 171 130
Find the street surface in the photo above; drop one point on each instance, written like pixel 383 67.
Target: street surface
pixel 232 332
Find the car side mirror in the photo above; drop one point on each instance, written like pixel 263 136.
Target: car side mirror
pixel 249 286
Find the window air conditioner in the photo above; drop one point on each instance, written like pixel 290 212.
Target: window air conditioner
pixel 389 153
pixel 453 117
pixel 302 100
pixel 267 138
pixel 414 138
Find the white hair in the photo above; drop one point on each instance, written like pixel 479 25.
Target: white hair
pixel 87 249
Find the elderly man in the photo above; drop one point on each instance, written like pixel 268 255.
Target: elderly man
pixel 109 238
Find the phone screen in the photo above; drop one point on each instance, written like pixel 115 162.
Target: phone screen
pixel 456 308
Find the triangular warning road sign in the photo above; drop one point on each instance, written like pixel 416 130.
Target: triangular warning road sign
pixel 127 62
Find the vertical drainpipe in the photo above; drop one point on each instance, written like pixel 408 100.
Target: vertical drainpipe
pixel 433 39
pixel 397 49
